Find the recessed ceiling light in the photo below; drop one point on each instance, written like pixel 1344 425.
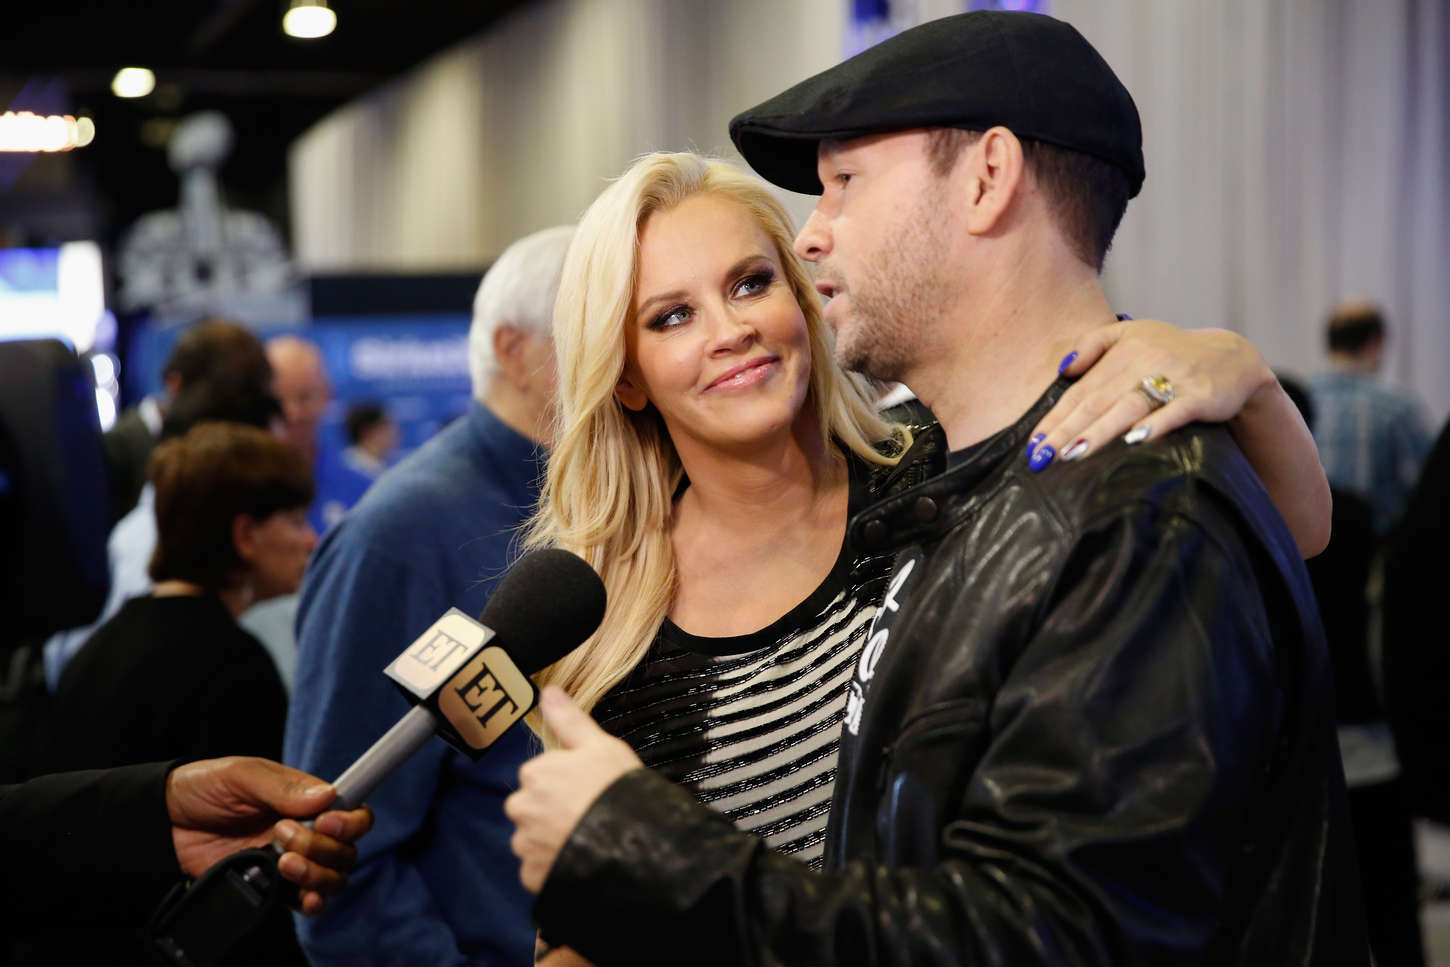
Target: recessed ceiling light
pixel 133 82
pixel 309 19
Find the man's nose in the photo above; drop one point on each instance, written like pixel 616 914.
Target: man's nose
pixel 814 241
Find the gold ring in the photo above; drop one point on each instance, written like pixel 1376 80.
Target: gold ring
pixel 1157 390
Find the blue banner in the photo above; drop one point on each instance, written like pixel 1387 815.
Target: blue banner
pixel 416 366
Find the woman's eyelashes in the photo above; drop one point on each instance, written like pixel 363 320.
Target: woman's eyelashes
pixel 671 317
pixel 755 282
pixel 750 285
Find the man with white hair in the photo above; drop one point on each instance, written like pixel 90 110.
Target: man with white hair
pixel 436 883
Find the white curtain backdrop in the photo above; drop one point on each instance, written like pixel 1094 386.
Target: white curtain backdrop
pixel 521 128
pixel 1297 153
pixel 1297 150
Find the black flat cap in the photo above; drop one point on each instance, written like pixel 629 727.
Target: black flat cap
pixel 1034 75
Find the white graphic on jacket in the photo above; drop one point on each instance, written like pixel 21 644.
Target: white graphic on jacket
pixel 876 641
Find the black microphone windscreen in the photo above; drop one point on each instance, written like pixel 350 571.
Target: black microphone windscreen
pixel 544 608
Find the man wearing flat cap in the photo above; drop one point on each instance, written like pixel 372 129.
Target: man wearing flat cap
pixel 1092 724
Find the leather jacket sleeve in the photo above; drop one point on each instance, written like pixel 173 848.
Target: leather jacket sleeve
pixel 1120 753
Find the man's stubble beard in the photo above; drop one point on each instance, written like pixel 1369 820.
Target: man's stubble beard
pixel 901 288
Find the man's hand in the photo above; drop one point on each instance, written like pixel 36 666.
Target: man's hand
pixel 557 788
pixel 220 806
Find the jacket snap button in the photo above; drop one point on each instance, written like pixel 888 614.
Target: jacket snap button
pixel 874 532
pixel 924 510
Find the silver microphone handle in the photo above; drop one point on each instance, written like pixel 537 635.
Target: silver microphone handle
pixel 375 765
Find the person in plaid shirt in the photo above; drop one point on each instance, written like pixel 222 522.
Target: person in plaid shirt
pixel 1371 439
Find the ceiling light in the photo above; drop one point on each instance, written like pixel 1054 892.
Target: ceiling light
pixel 133 82
pixel 308 19
pixel 25 131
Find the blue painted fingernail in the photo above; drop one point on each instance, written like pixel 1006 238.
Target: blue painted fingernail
pixel 1032 443
pixel 1041 458
pixel 1136 435
pixel 1066 361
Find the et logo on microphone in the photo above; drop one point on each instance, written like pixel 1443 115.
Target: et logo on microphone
pixel 488 696
pixel 476 689
pixel 437 653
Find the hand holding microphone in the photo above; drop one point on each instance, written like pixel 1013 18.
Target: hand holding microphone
pixel 219 806
pixel 469 680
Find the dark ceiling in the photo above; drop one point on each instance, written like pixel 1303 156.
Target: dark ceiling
pixel 227 55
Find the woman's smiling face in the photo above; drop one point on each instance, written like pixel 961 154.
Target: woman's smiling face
pixel 715 338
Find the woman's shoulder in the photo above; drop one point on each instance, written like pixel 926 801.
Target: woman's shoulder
pixel 183 628
pixel 148 623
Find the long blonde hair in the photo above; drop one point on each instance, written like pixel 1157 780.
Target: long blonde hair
pixel 612 473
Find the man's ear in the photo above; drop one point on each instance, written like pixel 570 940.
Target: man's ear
pixel 508 354
pixel 630 394
pixel 994 174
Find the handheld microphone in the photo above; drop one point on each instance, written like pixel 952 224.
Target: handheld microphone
pixel 469 680
pixel 469 684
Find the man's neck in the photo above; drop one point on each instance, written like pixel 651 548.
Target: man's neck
pixel 1005 349
pixel 517 412
pixel 1351 363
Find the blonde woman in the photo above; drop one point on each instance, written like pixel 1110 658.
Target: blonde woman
pixel 708 456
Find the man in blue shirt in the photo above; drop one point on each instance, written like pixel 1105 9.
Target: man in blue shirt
pixel 435 883
pixel 1372 439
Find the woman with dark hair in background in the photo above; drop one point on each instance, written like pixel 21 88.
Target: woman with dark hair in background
pixel 172 675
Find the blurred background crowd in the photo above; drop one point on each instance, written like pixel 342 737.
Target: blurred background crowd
pixel 258 229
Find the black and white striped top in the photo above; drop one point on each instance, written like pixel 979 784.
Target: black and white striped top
pixel 751 724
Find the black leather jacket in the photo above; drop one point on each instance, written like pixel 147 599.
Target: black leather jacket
pixel 1096 729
